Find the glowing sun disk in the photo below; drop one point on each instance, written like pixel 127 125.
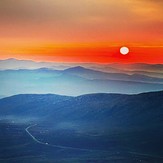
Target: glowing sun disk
pixel 124 50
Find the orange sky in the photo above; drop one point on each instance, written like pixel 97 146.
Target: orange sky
pixel 82 30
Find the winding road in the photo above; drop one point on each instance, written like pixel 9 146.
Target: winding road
pixel 83 149
pixel 51 145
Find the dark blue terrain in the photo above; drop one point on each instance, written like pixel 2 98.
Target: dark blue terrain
pixel 113 128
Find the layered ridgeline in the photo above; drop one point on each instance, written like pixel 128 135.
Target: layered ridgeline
pixel 75 81
pixel 94 127
pixel 155 70
pixel 113 109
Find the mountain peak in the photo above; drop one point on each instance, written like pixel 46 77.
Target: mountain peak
pixel 77 68
pixel 10 59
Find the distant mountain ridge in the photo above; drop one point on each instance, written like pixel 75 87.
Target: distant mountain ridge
pixel 79 70
pixel 117 109
pixel 12 63
pixel 28 77
pixel 74 81
pixel 93 74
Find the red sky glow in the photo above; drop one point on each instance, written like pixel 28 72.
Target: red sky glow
pixel 82 30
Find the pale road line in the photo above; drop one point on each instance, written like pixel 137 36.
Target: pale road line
pixel 65 147
pixel 47 144
pixel 141 154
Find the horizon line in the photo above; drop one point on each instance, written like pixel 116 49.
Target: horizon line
pixel 85 62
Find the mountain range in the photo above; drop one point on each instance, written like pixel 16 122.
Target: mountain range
pixel 94 127
pixel 74 81
pixel 147 107
pixel 153 70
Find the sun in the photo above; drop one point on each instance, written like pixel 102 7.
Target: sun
pixel 124 50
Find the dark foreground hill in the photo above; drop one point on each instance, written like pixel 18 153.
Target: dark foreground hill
pixel 112 128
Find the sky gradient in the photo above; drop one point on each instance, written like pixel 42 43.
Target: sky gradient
pixel 82 30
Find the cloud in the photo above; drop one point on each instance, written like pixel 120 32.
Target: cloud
pixel 56 10
pixel 78 20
